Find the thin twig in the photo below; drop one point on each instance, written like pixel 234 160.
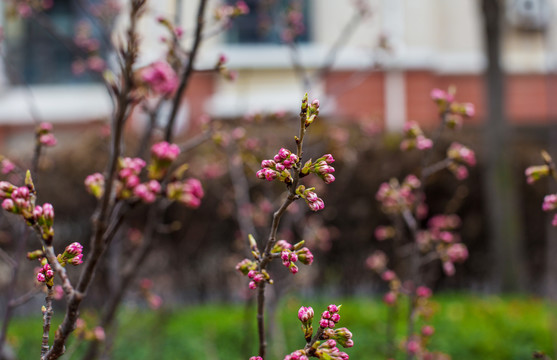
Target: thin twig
pixel 189 71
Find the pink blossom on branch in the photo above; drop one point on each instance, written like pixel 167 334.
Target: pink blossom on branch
pixel 160 78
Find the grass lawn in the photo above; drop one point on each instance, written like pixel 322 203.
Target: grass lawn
pixel 467 327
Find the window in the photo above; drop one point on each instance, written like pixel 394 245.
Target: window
pixel 271 22
pixel 34 55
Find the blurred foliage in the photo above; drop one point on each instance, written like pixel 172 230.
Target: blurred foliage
pixel 467 327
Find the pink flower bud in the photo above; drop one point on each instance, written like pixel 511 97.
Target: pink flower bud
pixel 325 315
pixel 305 314
pixel 332 308
pixel 412 347
pixel 41 277
pixel 388 275
pixel 423 292
pixel 390 298
pixel 252 285
pixel 335 317
pixel 48 212
pixel 324 323
pixel 427 330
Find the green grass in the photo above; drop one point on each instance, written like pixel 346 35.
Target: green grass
pixel 467 327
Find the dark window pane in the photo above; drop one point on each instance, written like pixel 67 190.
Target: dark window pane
pixel 266 22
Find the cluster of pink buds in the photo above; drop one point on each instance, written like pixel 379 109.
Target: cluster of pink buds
pixel 227 12
pixel 249 268
pixel 294 24
pixel 305 315
pixel 329 350
pixel 534 173
pixel 223 70
pixel 189 192
pixel 314 202
pixel 128 176
pixel 441 238
pixel 309 112
pixel 90 46
pixel 290 254
pixel 383 233
pixel 6 166
pixel 342 335
pixel 279 167
pixel 44 134
pixel 160 78
pixel 378 263
pixel 82 332
pixel 414 138
pixel 162 156
pixel 148 191
pixel 73 254
pixel 297 355
pixel 45 274
pixel 395 197
pixel 321 167
pixel 324 345
pixel 447 105
pixel 330 317
pixel 21 201
pixel 460 155
pixel 94 184
pixel 256 358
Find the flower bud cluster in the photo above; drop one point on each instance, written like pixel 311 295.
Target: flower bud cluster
pixel 6 166
pixel 297 355
pixel 455 111
pixel 279 167
pixel 330 317
pixel 85 333
pixel 21 201
pixel 321 167
pixel 305 315
pixel 414 138
pixel 309 112
pixel 440 236
pixel 227 12
pixel 160 78
pixel 460 156
pixel 534 173
pixel 395 197
pixel 314 202
pixel 329 350
pixel 378 263
pixel 343 336
pixel 73 254
pixel 189 192
pixel 162 156
pixel 44 134
pixel 383 233
pixel 249 268
pixel 94 184
pixel 223 70
pixel 45 274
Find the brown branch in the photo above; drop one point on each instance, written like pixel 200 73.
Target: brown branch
pixel 100 217
pixel 188 72
pixel 47 316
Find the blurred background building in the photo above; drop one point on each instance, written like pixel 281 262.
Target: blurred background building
pixel 384 70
